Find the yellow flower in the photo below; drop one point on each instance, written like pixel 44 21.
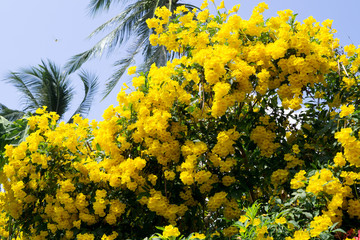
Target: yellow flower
pixel 350 50
pixel 256 222
pixel 230 231
pixel 301 235
pixel 339 160
pixel 198 236
pixel 204 5
pixel 296 149
pixel 228 180
pixel 113 236
pixel 85 236
pixel 345 111
pixel 261 7
pixel 280 220
pixel 203 16
pixel 187 178
pixel 152 178
pixel 299 180
pixel 221 6
pixel 181 9
pixel 41 110
pixel 319 224
pixel 279 177
pixel 169 175
pixel 171 231
pixel 132 70
pixel 234 9
pixel 243 218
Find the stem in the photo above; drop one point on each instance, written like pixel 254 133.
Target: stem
pixel 165 187
pixel 250 109
pixel 246 162
pixel 88 145
pixel 203 98
pixel 357 195
pixel 339 70
pixel 156 5
pixel 344 70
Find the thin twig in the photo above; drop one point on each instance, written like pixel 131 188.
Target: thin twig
pixel 344 69
pixel 339 69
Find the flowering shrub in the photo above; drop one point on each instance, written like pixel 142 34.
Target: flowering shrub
pixel 208 146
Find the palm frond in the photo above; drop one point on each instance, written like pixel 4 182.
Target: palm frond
pixel 121 66
pixel 48 92
pixel 91 86
pixel 47 85
pixel 106 44
pixel 115 20
pixel 4 123
pixel 129 23
pixel 65 94
pixel 56 91
pixel 26 81
pixel 10 114
pixel 78 60
pixel 126 20
pixel 155 54
pixel 96 6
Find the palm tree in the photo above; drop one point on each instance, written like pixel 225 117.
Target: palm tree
pixel 47 85
pixel 128 25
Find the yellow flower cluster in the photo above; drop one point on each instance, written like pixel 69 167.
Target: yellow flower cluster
pixel 353 53
pixel 351 147
pixel 292 161
pixel 198 236
pixel 335 186
pixel 300 235
pixel 319 224
pixel 216 201
pixel 323 180
pixel 290 73
pixel 160 204
pixel 225 142
pixel 299 180
pixel 171 231
pixel 264 138
pixel 346 110
pixel 279 177
pixel 176 145
pixel 48 173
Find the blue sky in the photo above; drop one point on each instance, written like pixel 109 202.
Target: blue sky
pixel 57 29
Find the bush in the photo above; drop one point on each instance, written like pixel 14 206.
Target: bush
pixel 251 133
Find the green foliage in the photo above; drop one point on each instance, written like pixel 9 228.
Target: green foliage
pixel 247 135
pixel 129 24
pixel 46 85
pixel 11 133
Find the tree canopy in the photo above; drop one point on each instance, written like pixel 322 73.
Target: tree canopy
pixel 127 27
pixel 251 133
pixel 48 85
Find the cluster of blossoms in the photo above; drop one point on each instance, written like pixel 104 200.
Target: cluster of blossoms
pixel 49 176
pixel 197 141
